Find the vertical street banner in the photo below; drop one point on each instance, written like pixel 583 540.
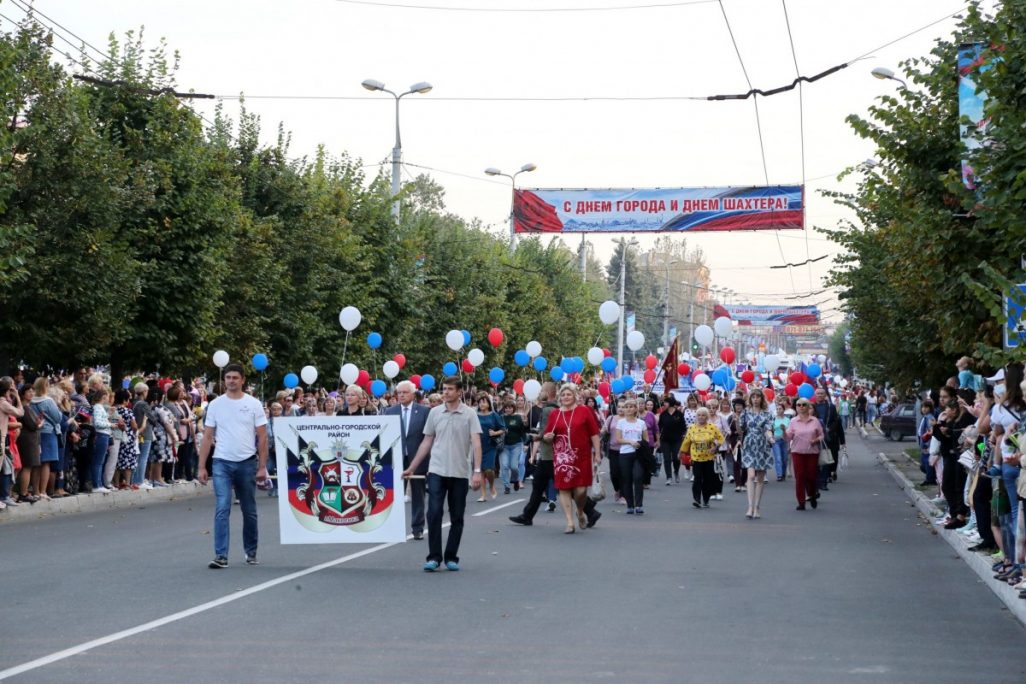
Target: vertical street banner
pixel 973 59
pixel 631 321
pixel 669 367
pixel 632 210
pixel 339 479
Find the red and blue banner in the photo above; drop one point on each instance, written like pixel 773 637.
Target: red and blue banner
pixel 659 210
pixel 771 315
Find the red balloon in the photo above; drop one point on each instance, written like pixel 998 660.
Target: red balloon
pixel 727 355
pixel 603 389
pixel 415 379
pixel 684 369
pixel 769 394
pixel 400 359
pixel 747 376
pixel 468 367
pixel 367 386
pixel 651 362
pixel 796 378
pixel 791 390
pixel 518 386
pixel 495 337
pixel 650 376
pixel 362 378
pixel 606 352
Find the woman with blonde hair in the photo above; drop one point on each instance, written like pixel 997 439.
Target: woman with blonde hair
pixel 632 434
pixel 701 444
pixel 756 448
pixel 573 432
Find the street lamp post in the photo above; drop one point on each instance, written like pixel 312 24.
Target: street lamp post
pixel 623 302
pixel 492 171
pixel 666 311
pixel 397 150
pixel 883 73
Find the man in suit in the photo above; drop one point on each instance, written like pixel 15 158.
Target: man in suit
pixel 412 417
pixel 833 435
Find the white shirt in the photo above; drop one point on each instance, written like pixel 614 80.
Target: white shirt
pixel 630 431
pixel 1000 415
pixel 235 422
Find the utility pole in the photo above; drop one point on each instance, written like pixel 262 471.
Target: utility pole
pixel 666 307
pixel 584 258
pixel 623 310
pixel 691 318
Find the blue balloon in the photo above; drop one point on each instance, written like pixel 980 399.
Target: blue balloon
pixel 427 382
pixel 466 337
pixel 260 362
pixel 126 383
pixel 814 371
pixel 556 373
pixel 374 340
pixel 541 363
pixel 378 388
pixel 806 391
pixel 570 365
pixel 579 364
pixel 615 386
pixel 719 377
pixel 628 383
pixel 449 369
pixel 291 380
pixel 731 382
pixel 496 375
pixel 608 364
pixel 522 358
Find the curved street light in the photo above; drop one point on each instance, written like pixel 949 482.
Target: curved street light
pixel 884 74
pixel 526 168
pixel 397 151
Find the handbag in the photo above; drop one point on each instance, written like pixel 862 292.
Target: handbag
pixel 597 490
pixel 935 447
pixel 825 457
pixel 685 458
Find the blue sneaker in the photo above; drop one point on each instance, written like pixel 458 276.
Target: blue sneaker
pixel 639 511
pixel 452 565
pixel 629 511
pixel 431 566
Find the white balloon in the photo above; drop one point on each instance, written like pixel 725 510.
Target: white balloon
pixel 837 379
pixel 723 326
pixel 532 388
pixel 844 383
pixel 454 340
pixel 704 335
pixel 702 382
pixel 821 357
pixel 771 362
pixel 475 356
pixel 635 340
pixel 349 373
pixel 308 374
pixel 349 318
pixel 609 312
pixel 595 356
pixel 751 357
pixel 221 358
pixel 533 348
pixel 390 369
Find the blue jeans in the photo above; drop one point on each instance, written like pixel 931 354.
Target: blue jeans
pixel 781 455
pixel 442 490
pixel 871 414
pixel 139 474
pixel 522 466
pixel 1010 475
pixel 509 463
pixel 240 476
pixel 100 444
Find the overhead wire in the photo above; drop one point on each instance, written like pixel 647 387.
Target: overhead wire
pixel 525 10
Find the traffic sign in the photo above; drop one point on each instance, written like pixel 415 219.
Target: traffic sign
pixel 1015 318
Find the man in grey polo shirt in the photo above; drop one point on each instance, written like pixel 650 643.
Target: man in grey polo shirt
pixel 452 435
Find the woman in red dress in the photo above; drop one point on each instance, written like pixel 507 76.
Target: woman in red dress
pixel 573 432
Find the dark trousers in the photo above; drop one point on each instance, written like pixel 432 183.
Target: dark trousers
pixel 705 483
pixel 632 480
pixel 442 491
pixel 805 473
pixel 981 505
pixel 740 472
pixel 539 488
pixel 671 458
pixel 614 470
pixel 952 486
pixel 417 490
pixel 188 460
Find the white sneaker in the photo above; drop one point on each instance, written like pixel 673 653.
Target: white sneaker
pixel 669 482
pixel 973 538
pixel 145 485
pixel 100 490
pixel 407 498
pixel 718 497
pixel 691 478
pixel 967 530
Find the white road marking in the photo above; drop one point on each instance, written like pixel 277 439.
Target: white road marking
pixel 486 512
pixel 189 612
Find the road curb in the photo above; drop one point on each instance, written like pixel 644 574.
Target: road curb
pixel 979 564
pixel 88 503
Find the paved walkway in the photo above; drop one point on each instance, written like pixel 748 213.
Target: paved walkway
pixel 856 591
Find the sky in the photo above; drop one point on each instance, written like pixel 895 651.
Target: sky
pixel 498 77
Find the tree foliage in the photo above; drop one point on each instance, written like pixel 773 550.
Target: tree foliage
pixel 923 246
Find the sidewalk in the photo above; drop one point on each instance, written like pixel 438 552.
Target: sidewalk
pixel 85 503
pixel 906 473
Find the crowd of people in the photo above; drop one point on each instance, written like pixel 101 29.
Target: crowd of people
pixel 971 441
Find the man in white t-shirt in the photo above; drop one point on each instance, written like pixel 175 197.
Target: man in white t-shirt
pixel 236 422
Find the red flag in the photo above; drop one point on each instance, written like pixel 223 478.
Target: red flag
pixel 669 366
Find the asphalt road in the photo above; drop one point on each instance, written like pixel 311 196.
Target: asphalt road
pixel 855 591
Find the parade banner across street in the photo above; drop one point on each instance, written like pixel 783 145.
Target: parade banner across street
pixel 336 479
pixel 771 315
pixel 659 209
